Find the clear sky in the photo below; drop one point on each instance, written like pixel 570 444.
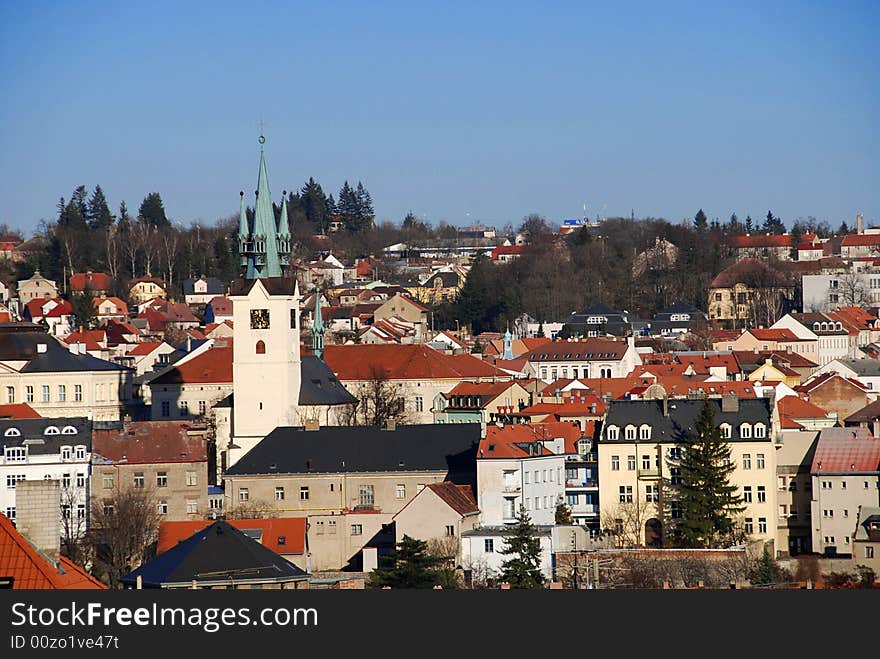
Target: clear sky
pixel 463 111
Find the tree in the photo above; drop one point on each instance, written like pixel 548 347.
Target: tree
pixel 704 502
pixel 523 569
pixel 84 310
pixel 850 291
pixel 625 521
pixel 535 228
pixel 411 567
pixel 124 529
pixel 378 402
pixel 563 514
pixel 765 571
pixel 700 221
pixel 364 203
pixel 314 204
pixel 734 226
pixel 152 211
pixel 749 226
pixel 773 224
pixel 348 206
pixel 98 212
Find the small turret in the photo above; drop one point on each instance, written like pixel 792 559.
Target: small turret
pixel 318 328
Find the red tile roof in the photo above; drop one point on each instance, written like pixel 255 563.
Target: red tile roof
pixel 581 404
pixel 824 378
pixel 32 570
pixel 501 442
pixel 221 305
pixel 144 348
pixel 861 240
pixel 793 359
pixel 150 442
pixel 773 334
pixel 96 281
pixel 458 497
pixel 507 250
pixel 772 240
pixel 121 306
pixel 746 270
pixel 484 389
pixel 18 411
pixel 840 455
pixel 291 531
pixel 591 349
pixel 404 362
pixel 212 366
pixel 792 407
pixel 89 337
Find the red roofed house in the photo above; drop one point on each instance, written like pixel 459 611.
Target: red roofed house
pixel 401 306
pixel 495 347
pixel 845 475
pixel 766 246
pixel 144 357
pixel 55 313
pixel 747 293
pixel 97 283
pixel 93 342
pixel 795 413
pixel 110 308
pixel 285 536
pixel 418 373
pixel 507 253
pixel 767 339
pixel 440 512
pixel 584 358
pixel 479 402
pixel 218 310
pixel 168 457
pixel 577 407
pixel 18 411
pixel 856 245
pixel 835 393
pixel 192 387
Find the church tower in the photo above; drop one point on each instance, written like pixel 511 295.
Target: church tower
pixel 266 364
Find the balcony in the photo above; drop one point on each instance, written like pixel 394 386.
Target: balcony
pixel 584 509
pixel 649 474
pixel 581 482
pixel 511 488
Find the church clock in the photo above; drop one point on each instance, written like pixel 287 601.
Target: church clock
pixel 259 319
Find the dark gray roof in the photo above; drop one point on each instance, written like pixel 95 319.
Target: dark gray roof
pixel 494 531
pixel 33 434
pixel 274 285
pixel 218 553
pixel 617 322
pixel 435 447
pixel 23 341
pixel 320 386
pixel 682 414
pixel 215 286
pixel 663 318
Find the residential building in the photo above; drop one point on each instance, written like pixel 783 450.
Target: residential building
pixel 36 287
pixel 55 314
pixel 795 365
pixel 835 393
pixel 832 339
pixel 167 459
pixel 798 414
pixel 865 371
pixel 861 244
pixel 441 512
pixel 481 549
pixel 478 402
pixel 584 358
pixel 776 246
pixel 866 539
pixel 403 308
pixel 110 308
pixel 189 389
pixel 641 441
pixel 98 284
pixel 202 290
pixel 794 489
pixel 220 556
pixel 747 293
pixel 143 289
pixel 596 320
pixel 845 476
pixel 218 310
pixel 678 318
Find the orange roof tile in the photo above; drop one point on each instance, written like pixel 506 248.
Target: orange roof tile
pixel 793 407
pixel 404 362
pixel 458 497
pixel 214 366
pixel 149 442
pixel 18 411
pixel 283 535
pixel 144 348
pixel 96 281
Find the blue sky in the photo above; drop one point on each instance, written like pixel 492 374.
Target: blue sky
pixel 459 111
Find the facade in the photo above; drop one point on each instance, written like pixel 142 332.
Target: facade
pixel 832 340
pixel 865 371
pixel 478 402
pixel 441 512
pixel 866 541
pixel 190 389
pixel 48 449
pixel 845 476
pixel 167 459
pixel 96 283
pixel 36 287
pixel 584 358
pixel 641 441
pixel 144 289
pixel 677 319
pixel 596 320
pixel 481 551
pixel 745 287
pixel 835 393
pixel 202 290
pixel 794 458
pixel 402 307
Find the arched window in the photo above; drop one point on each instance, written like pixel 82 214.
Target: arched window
pixel 613 432
pixel 52 430
pixel 12 432
pixel 645 431
pixel 68 430
pixel 745 431
pixel 630 432
pixel 725 430
pixel 261 348
pixel 760 430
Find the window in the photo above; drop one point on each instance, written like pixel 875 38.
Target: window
pixel 10 397
pixel 675 510
pixel 675 476
pixel 646 462
pixel 192 478
pixel 331 527
pixel 400 491
pixel 357 529
pixel 77 393
pixel 489 545
pixel 16 454
pixel 747 494
pixel 243 494
pixel 762 525
pixel 760 433
pixel 645 432
pixel 630 432
pixel 747 461
pixel 10 513
pixel 749 526
pixel 202 408
pixel 652 493
pixel 725 430
pixel 304 493
pixel 615 463
pixel 279 494
pixel 782 510
pixel 845 512
pixel 869 551
pixel 759 459
pixel 631 462
pixel 139 479
pixel 162 507
pixel 29 394
pixel 261 348
pixel 162 479
pixel 366 495
pixel 745 432
pixel 62 393
pixel 46 397
pixel 450 531
pixel 108 481
pixel 80 452
pixel 12 479
pixel 626 494
pixel 107 507
pixel 166 408
pixel 537 503
pixel 762 494
pixel 184 408
pixel 571 499
pixel 612 432
pixel 420 404
pixel 319 527
pixel 80 480
pixel 843 485
pixel 192 506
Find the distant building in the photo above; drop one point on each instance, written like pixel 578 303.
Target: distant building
pixel 146 288
pixel 677 319
pixel 36 288
pixel 202 290
pixel 97 283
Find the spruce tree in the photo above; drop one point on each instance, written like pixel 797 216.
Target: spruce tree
pixel 411 567
pixel 153 211
pixel 84 312
pixel 99 214
pixel 348 206
pixel 700 221
pixel 314 203
pixel 705 500
pixel 364 205
pixel 523 569
pixel 749 224
pixel 734 225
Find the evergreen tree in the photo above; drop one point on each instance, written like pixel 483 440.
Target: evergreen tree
pixel 700 221
pixel 331 205
pixel 152 211
pixel 364 205
pixel 766 570
pixel 411 567
pixel 84 312
pixel 563 514
pixel 797 232
pixel 348 206
pixel 314 203
pixel 749 224
pixel 734 225
pixel 123 213
pixel 705 500
pixel 523 569
pixel 773 224
pixel 99 214
pixel 74 214
pixel 843 229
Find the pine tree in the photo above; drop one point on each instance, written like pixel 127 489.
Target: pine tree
pixel 766 571
pixel 843 229
pixel 331 205
pixel 364 208
pixel 734 226
pixel 523 569
pixel 563 514
pixel 99 214
pixel 153 211
pixel 84 312
pixel 348 206
pixel 749 224
pixel 411 567
pixel 123 213
pixel 705 501
pixel 314 203
pixel 773 224
pixel 700 221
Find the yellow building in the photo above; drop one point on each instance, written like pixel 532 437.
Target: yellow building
pixel 146 288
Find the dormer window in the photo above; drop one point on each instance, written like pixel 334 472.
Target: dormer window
pixel 16 454
pixel 745 431
pixel 760 430
pixel 613 432
pixel 815 327
pixel 725 430
pixel 630 432
pixel 68 430
pixel 80 452
pixel 12 432
pixel 52 430
pixel 66 452
pixel 645 431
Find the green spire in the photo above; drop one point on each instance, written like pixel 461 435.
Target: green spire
pixel 283 228
pixel 318 328
pixel 264 222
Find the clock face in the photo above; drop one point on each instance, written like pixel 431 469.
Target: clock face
pixel 259 319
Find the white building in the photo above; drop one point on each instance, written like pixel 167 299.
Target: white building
pixel 833 339
pixel 584 358
pixel 481 551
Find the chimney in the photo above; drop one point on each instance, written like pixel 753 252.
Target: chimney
pixel 665 403
pixel 36 515
pixel 730 402
pixel 312 424
pixel 876 425
pixel 859 224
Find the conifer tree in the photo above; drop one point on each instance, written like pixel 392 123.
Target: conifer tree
pixel 152 211
pixel 411 567
pixel 99 214
pixel 700 221
pixel 705 501
pixel 749 224
pixel 314 203
pixel 523 569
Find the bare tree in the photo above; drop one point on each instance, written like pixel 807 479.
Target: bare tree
pixel 124 530
pixel 112 252
pixel 169 241
pixel 252 509
pixel 74 540
pixel 145 235
pixel 850 291
pixel 378 401
pixel 625 522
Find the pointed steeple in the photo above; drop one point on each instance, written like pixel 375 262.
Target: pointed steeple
pixel 318 328
pixel 508 345
pixel 283 228
pixel 265 233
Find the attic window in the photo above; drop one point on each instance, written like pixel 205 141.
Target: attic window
pixel 491 447
pixel 282 540
pixel 52 430
pixel 12 432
